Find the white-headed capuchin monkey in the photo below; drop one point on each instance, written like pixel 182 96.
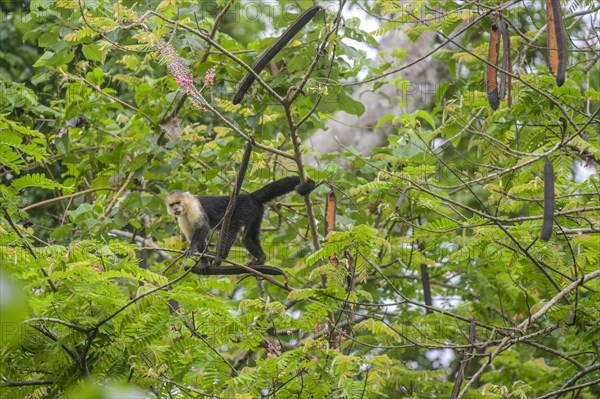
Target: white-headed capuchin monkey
pixel 198 214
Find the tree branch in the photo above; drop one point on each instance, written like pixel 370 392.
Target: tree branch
pixel 8 384
pixel 226 221
pixel 29 248
pixel 69 196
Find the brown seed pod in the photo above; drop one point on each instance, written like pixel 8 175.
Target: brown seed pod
pixel 330 210
pixel 557 41
pixel 492 72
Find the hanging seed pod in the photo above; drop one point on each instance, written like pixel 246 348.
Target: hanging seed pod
pixel 492 72
pixel 330 210
pixel 548 201
pixel 557 41
pixel 506 80
pixel 272 51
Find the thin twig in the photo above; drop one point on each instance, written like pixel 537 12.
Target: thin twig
pixel 8 384
pixel 116 197
pixel 68 196
pixel 201 338
pixel 141 296
pixel 73 326
pixel 559 392
pixel 226 52
pixel 29 248
pixel 527 323
pixel 215 27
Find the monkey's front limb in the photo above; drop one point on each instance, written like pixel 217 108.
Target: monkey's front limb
pixel 198 241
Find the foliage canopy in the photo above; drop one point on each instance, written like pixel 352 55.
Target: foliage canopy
pixel 434 282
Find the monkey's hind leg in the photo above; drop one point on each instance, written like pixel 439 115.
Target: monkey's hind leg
pixel 228 242
pixel 251 241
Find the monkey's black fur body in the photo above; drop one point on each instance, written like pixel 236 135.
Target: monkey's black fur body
pixel 199 214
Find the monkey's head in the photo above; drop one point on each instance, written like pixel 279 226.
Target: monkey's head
pixel 177 202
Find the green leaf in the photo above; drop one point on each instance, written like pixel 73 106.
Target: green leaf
pixel 377 327
pixel 48 38
pixel 92 52
pixel 296 295
pixel 36 180
pixel 350 105
pixel 44 59
pixel 425 115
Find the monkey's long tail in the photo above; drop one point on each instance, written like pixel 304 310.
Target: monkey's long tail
pixel 233 270
pixel 281 187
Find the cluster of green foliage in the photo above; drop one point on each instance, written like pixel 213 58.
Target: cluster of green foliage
pixel 96 302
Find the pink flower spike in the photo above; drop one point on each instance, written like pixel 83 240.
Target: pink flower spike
pixel 181 74
pixel 209 77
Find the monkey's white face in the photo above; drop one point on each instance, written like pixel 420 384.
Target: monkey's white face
pixel 175 205
pixel 177 209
